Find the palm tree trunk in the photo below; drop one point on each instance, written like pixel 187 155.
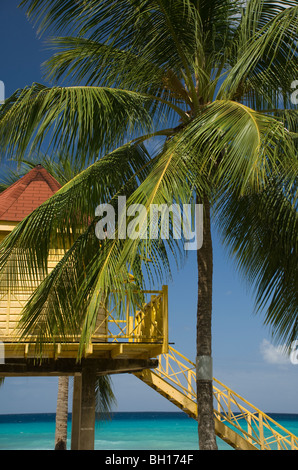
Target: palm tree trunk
pixel 206 430
pixel 62 414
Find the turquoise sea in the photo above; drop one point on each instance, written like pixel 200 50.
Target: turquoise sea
pixel 125 431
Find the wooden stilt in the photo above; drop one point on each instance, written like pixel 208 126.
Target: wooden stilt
pixel 76 412
pixel 87 427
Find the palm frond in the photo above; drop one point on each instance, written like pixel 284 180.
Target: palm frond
pixel 233 146
pixel 154 31
pixel 105 398
pixel 264 56
pixel 78 120
pixel 260 233
pixel 96 64
pixel 129 23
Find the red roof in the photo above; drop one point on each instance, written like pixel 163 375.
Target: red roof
pixel 26 194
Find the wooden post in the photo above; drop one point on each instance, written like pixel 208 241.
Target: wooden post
pixel 87 427
pixel 76 412
pixel 165 347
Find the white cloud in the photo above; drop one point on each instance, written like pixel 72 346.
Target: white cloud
pixel 274 354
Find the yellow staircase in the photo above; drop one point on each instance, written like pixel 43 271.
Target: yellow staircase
pixel 237 422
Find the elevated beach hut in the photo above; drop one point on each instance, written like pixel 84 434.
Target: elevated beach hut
pixel 130 344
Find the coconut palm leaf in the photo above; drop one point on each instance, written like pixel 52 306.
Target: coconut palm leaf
pixel 255 44
pixel 67 301
pixel 260 232
pixel 219 141
pixel 154 31
pixel 87 61
pixel 80 114
pixel 105 398
pixel 264 59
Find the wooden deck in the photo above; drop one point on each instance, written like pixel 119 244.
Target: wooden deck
pixel 122 344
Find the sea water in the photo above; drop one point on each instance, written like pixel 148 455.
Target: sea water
pixel 124 431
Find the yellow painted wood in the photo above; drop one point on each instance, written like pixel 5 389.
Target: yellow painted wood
pixel 116 352
pixel 237 422
pixel 165 317
pixel 146 327
pixel 69 350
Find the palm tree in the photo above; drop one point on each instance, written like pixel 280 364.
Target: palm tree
pixel 211 81
pixel 62 413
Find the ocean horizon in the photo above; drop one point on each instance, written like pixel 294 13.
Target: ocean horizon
pixel 123 431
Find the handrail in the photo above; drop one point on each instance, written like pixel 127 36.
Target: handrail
pixel 145 325
pixel 232 409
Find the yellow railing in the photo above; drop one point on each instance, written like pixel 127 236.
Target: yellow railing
pixel 253 425
pixel 141 323
pixel 149 324
pixel 179 371
pixel 257 427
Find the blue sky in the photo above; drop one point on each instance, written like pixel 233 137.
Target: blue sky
pixel 244 358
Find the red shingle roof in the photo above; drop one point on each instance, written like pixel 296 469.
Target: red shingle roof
pixel 26 194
